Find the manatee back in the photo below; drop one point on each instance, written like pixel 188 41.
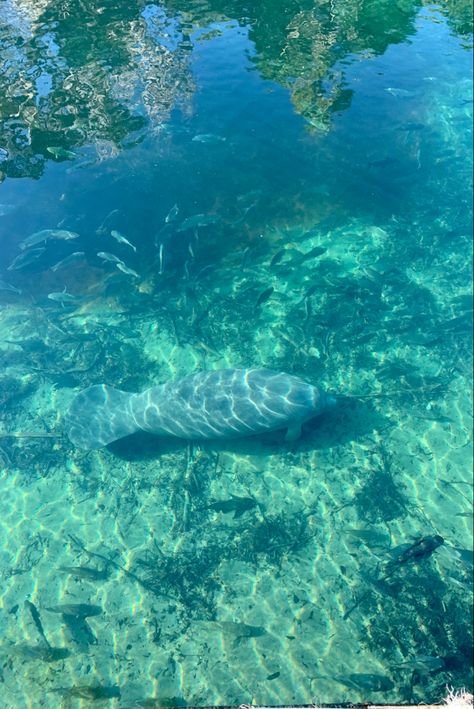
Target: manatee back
pixel 227 403
pixel 99 415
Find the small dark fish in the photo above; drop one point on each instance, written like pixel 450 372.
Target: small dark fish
pixel 79 629
pixel 91 692
pixel 311 290
pixel 423 664
pixel 366 682
pixel 26 258
pixel 317 251
pixel 65 262
pixel 370 537
pixel 79 610
pixel 421 549
pixel 86 572
pixel 46 653
pixel 241 630
pixel 264 296
pixel 8 287
pixel 273 676
pixel 37 620
pixel 277 257
pixel 237 505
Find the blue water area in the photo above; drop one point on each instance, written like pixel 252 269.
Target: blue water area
pixel 203 186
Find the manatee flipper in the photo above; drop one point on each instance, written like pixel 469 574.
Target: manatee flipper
pixel 99 415
pixel 293 432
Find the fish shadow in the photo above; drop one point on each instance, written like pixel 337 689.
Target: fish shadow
pixel 350 420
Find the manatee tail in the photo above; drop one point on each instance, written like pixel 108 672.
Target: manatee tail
pixel 99 415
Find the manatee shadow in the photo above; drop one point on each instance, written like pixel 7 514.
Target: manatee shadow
pixel 351 420
pixel 145 446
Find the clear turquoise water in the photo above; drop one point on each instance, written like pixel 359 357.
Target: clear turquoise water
pixel 336 164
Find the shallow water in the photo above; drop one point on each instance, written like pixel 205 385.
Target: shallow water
pixel 328 149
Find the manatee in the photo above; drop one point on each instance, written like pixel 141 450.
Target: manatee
pixel 222 404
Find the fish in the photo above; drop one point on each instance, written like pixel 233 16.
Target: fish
pixel 365 682
pixel 65 262
pixel 121 239
pixel 92 692
pixel 161 259
pixel 126 269
pixel 7 209
pixel 423 664
pixel 101 229
pixel 220 404
pixel 198 220
pixel 237 505
pixel 37 621
pixel 61 153
pixel 241 630
pixel 172 214
pixel 313 253
pixel 400 93
pixel 79 630
pixel 274 675
pixel 26 258
pixel 8 287
pixel 264 296
pixel 421 549
pixel 277 257
pixel 208 138
pixel 106 256
pixel 370 537
pixel 44 235
pixel 86 572
pixel 78 610
pixel 46 653
pixel 63 297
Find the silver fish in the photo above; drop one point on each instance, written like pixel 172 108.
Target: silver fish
pixel 61 153
pixel 72 258
pixel 208 138
pixel 129 271
pixel 161 259
pixel 121 239
pixel 172 214
pixel 46 235
pixel 24 259
pixel 8 287
pixel 6 209
pixel 101 229
pixel 106 256
pixel 198 220
pixel 63 297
